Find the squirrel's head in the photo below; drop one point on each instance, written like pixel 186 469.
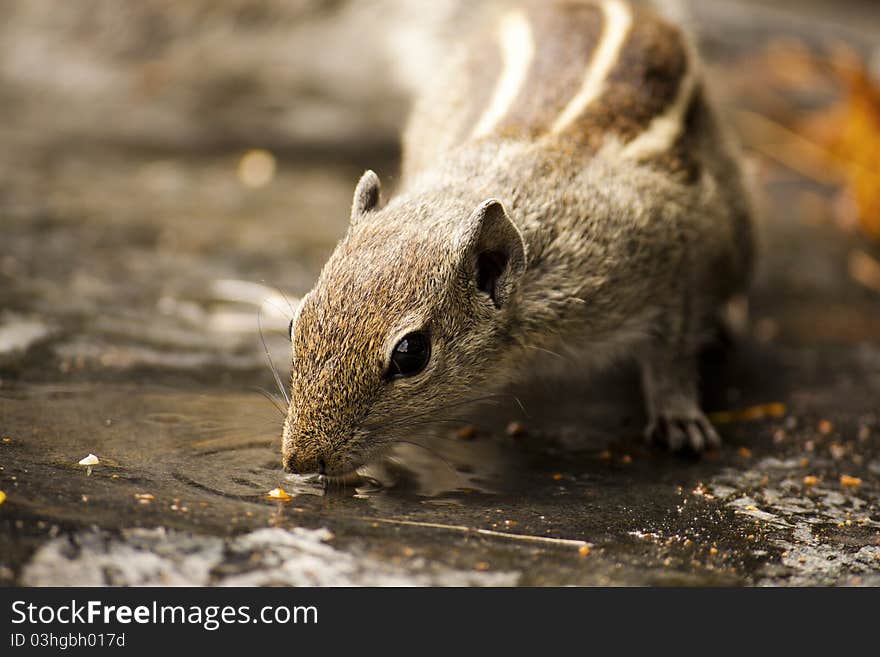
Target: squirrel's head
pixel 408 318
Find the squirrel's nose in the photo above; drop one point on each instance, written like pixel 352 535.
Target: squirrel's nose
pixel 305 463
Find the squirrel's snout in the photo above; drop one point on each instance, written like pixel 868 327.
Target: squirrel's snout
pixel 300 456
pixel 305 463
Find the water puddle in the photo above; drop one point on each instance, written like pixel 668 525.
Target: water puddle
pixel 206 463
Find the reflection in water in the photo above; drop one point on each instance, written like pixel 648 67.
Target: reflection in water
pixel 305 485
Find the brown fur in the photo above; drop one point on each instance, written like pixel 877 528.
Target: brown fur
pixel 568 38
pixel 643 83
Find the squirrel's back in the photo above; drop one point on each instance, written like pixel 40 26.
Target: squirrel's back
pixel 571 83
pixel 578 74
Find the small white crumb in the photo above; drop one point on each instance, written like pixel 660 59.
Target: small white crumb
pixel 91 459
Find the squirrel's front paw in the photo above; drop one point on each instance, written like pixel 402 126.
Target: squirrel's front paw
pixel 691 431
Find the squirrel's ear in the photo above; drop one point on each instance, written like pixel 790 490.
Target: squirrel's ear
pixel 493 251
pixel 366 195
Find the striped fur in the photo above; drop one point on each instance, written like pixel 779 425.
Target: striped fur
pixel 585 74
pixel 517 50
pixel 616 23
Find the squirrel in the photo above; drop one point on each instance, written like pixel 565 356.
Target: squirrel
pixel 566 186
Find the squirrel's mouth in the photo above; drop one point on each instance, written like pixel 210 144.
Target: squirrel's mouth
pixel 318 484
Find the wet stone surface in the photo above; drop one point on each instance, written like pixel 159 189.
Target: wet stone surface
pixel 131 280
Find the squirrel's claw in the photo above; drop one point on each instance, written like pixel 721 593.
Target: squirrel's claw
pixel 693 432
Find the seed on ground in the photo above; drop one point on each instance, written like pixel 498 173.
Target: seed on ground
pixel 278 494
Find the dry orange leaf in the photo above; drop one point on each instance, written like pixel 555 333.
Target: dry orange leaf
pixel 839 144
pixel 851 133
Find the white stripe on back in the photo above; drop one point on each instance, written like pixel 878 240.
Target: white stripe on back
pixel 664 129
pixel 617 21
pixel 517 51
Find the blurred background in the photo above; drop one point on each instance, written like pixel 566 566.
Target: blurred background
pixel 152 149
pixel 171 170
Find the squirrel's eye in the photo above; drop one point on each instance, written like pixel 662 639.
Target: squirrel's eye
pixel 410 355
pixel 290 331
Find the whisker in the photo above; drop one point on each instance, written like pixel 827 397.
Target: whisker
pixel 269 357
pixel 433 452
pixel 476 400
pixel 546 351
pixel 430 416
pixel 277 288
pixel 280 310
pixel 272 400
pixel 284 296
pixel 520 404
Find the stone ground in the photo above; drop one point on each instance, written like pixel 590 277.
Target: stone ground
pixel 138 247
